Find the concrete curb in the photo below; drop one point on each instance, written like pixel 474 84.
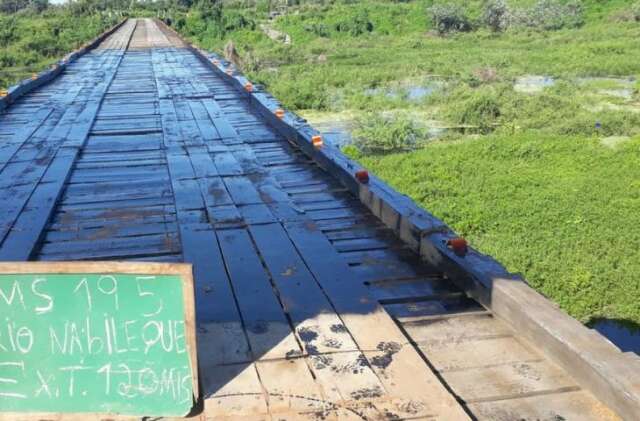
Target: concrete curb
pixel 594 362
pixel 16 91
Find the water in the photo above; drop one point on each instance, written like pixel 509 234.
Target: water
pixel 619 81
pixel 416 93
pixel 533 84
pixel 618 87
pixel 618 93
pixel 335 132
pixel 625 335
pixel 411 92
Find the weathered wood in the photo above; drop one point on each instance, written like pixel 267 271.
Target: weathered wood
pixel 267 327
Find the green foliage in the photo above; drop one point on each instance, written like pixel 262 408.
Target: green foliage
pixel 304 94
pixel 31 41
pixel 560 210
pixel 629 14
pixel 356 25
pixel 319 29
pixel 449 18
pixel 549 15
pixel 477 107
pixel 496 15
pixel 379 133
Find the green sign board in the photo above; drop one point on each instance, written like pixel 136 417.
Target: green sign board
pixel 112 338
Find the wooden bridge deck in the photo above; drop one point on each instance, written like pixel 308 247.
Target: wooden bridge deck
pixel 307 306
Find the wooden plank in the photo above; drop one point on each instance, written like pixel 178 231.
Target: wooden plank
pixel 508 381
pixel 455 329
pixel 559 406
pixel 269 332
pixel 411 289
pixel 224 129
pixel 372 329
pixel 436 306
pixel 346 376
pixel 290 387
pixel 317 326
pixel 21 136
pixel 226 163
pixel 242 190
pixel 21 241
pixel 485 352
pixel 232 391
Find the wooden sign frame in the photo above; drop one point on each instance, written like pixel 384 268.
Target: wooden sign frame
pixel 183 270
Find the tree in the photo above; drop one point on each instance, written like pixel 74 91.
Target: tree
pixel 13 6
pixel 39 5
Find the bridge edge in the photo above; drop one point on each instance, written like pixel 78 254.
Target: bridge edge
pixel 25 86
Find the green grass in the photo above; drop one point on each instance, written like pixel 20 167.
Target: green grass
pixel 561 210
pixel 402 46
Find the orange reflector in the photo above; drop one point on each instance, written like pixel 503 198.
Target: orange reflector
pixel 279 113
pixel 3 93
pixel 34 76
pixel 458 245
pixel 248 87
pixel 362 176
pixel 317 141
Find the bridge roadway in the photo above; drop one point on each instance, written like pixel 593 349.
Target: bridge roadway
pixel 307 306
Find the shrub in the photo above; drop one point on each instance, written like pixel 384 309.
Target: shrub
pixel 356 25
pixel 481 108
pixel 550 15
pixel 7 32
pixel 449 18
pixel 319 29
pixel 631 14
pixel 377 133
pixel 635 11
pixel 496 15
pixel 305 94
pixel 234 20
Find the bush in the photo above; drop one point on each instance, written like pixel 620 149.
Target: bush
pixel 235 20
pixel 632 14
pixel 377 133
pixel 496 15
pixel 356 25
pixel 449 18
pixel 550 15
pixel 481 109
pixel 635 11
pixel 305 94
pixel 319 29
pixel 7 31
